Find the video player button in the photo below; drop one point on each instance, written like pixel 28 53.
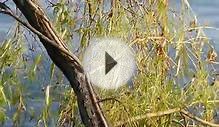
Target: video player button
pixel 109 63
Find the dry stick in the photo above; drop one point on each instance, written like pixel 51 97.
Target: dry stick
pixel 148 115
pixel 167 112
pixel 108 99
pixel 191 116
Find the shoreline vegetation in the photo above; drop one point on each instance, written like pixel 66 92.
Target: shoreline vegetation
pixel 176 82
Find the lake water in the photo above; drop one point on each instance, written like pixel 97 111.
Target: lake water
pixel 207 12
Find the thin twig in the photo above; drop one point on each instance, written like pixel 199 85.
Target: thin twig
pixel 53 43
pixel 148 115
pixel 167 112
pixel 191 116
pixel 108 99
pixel 116 100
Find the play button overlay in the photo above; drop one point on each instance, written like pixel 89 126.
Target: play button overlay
pixel 109 63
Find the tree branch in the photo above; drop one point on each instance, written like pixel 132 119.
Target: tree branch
pixel 39 34
pixel 90 111
pixel 191 116
pixel 148 115
pixel 167 112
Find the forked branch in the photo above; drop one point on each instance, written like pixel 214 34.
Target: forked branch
pixel 90 111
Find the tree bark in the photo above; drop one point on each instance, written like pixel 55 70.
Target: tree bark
pixel 90 111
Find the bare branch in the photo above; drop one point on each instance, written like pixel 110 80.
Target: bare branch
pixel 191 116
pixel 90 111
pixel 27 25
pixel 167 112
pixel 148 115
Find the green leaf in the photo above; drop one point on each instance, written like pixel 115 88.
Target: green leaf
pixel 84 39
pixel 3 116
pixel 33 70
pixel 52 69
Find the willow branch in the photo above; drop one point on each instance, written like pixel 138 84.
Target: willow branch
pixel 167 112
pixel 90 111
pixel 191 116
pixel 147 116
pixel 32 29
